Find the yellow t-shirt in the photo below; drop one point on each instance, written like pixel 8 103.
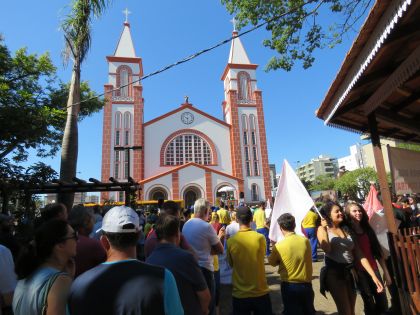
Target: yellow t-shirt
pixel 293 256
pixel 309 221
pixel 245 253
pixel 224 217
pixel 259 218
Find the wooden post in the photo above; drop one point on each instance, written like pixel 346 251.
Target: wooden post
pixel 380 168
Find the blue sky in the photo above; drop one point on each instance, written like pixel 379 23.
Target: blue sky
pixel 166 31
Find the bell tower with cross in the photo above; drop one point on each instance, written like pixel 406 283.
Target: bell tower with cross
pixel 243 110
pixel 123 114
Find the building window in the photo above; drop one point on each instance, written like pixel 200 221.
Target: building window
pixel 117 124
pixel 120 196
pixel 254 145
pixel 254 192
pixel 246 146
pixel 126 162
pixel 188 148
pixel 124 82
pixel 244 86
pixel 127 128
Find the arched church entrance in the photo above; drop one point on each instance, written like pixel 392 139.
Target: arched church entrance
pixel 226 194
pixel 191 194
pixel 158 193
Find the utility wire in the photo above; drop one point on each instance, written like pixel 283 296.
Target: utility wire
pixel 195 55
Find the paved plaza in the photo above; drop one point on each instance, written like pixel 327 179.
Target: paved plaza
pixel 322 305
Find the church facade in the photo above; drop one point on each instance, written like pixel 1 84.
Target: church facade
pixel 185 153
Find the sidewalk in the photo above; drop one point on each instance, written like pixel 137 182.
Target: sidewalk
pixel 322 305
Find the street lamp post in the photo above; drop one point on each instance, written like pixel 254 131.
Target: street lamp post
pixel 128 149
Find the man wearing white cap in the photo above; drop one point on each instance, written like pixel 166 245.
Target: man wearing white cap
pixel 122 284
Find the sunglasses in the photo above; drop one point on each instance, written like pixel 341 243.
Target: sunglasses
pixel 74 236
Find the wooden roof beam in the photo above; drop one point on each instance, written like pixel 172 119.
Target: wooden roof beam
pixel 398 121
pixel 406 70
pixel 412 98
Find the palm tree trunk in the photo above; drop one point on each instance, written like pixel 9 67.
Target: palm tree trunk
pixel 70 144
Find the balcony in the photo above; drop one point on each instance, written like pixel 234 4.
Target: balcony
pixel 248 101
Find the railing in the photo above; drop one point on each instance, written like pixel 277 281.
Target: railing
pixel 406 259
pixel 250 101
pixel 122 98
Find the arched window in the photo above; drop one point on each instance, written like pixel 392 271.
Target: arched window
pixel 244 86
pixel 127 128
pixel 117 124
pixel 188 148
pixel 254 144
pixel 124 78
pixel 254 192
pixel 124 82
pixel 245 132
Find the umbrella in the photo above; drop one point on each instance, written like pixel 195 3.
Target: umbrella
pixel 226 189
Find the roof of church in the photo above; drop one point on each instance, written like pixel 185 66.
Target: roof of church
pixel 125 47
pixel 182 107
pixel 179 167
pixel 237 52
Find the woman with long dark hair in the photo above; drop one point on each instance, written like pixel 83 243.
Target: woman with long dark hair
pixel 338 276
pixel 367 242
pixel 45 270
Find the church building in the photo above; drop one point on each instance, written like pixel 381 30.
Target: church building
pixel 186 153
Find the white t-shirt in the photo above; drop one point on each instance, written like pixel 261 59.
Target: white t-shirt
pixel 201 236
pixel 232 229
pixel 7 271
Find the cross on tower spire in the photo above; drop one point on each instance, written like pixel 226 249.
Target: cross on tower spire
pixel 126 12
pixel 234 22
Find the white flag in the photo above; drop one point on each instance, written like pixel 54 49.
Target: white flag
pixel 268 209
pixel 292 197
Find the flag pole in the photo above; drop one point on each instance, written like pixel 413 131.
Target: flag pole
pixel 319 213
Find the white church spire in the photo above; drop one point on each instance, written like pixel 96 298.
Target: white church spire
pixel 237 53
pixel 125 47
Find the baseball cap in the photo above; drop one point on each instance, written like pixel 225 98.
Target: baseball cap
pixel 117 219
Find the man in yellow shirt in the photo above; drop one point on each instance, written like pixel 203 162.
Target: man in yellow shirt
pixel 245 254
pixel 261 222
pixel 309 224
pixel 223 213
pixel 293 256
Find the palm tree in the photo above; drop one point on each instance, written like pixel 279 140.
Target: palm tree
pixel 77 31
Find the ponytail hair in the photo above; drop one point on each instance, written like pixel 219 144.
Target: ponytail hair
pixel 41 248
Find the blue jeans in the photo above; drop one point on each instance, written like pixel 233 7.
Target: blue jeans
pixel 258 305
pixel 298 298
pixel 264 231
pixel 311 232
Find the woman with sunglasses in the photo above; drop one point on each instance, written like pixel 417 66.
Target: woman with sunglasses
pixel 374 302
pixel 45 270
pixel 338 275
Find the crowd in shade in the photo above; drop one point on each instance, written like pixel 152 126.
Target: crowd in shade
pixel 169 260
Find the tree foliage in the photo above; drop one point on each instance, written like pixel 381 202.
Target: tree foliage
pixel 295 27
pixel 356 184
pixel 33 105
pixel 323 182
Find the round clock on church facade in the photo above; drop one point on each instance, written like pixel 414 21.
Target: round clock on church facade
pixel 187 118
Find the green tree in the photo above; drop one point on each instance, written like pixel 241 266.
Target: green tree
pixel 409 146
pixel 323 182
pixel 356 184
pixel 296 31
pixel 32 105
pixel 77 35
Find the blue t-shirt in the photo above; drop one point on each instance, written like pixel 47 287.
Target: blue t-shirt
pixel 125 287
pixel 186 271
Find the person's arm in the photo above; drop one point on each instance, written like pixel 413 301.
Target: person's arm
pixel 204 298
pixel 217 247
pixel 58 294
pixel 171 299
pixel 274 258
pixel 387 276
pixel 366 265
pixel 322 236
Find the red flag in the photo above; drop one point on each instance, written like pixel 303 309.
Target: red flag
pixel 372 204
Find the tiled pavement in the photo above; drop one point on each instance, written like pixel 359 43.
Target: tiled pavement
pixel 322 305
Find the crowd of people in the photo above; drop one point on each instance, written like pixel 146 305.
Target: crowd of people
pixel 83 261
